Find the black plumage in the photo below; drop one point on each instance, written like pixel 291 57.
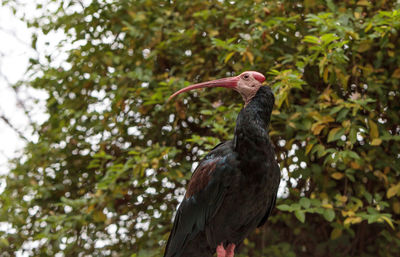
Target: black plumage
pixel 233 189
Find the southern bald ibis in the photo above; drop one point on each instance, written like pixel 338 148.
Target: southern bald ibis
pixel 233 189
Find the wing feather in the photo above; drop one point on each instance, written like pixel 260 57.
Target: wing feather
pixel 268 212
pixel 204 196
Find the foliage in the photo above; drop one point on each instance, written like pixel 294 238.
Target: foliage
pixel 113 158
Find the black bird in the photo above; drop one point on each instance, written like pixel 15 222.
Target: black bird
pixel 233 189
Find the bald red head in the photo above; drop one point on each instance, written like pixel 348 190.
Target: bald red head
pixel 247 84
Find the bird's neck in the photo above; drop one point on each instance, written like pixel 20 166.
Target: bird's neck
pixel 251 131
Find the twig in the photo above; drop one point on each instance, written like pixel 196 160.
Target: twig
pixel 7 121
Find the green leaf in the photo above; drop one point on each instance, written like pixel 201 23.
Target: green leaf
pixel 300 215
pixel 352 154
pixel 329 214
pixel 328 38
pixel 305 202
pixel 335 109
pixel 335 134
pixel 4 243
pixel 311 39
pixel 342 115
pixel 373 129
pixel 206 112
pixel 284 207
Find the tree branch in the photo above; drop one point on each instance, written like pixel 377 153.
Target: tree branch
pixel 7 121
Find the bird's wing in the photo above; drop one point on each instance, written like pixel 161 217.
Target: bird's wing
pixel 268 212
pixel 274 191
pixel 206 167
pixel 205 193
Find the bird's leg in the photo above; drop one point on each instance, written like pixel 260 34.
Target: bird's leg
pixel 230 250
pixel 221 251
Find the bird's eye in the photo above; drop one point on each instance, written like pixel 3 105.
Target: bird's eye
pixel 246 76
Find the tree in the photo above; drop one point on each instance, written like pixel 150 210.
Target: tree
pixel 114 156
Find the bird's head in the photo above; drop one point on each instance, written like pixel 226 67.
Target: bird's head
pixel 247 84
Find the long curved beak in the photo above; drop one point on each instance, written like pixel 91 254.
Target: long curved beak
pixel 230 82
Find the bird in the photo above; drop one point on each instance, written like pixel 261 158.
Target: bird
pixel 234 187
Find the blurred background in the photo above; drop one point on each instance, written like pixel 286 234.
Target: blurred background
pixel 20 106
pixel 94 160
pixel 15 54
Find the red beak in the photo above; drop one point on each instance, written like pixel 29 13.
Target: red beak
pixel 230 82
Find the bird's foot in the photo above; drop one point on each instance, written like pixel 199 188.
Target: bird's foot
pixel 221 251
pixel 229 252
